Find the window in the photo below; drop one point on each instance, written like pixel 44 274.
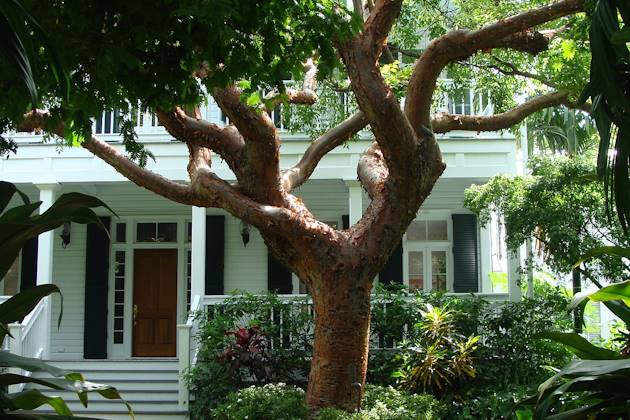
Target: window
pixel 156 232
pixel 427 255
pixel 121 232
pixel 119 297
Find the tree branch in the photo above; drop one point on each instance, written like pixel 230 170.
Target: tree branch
pixel 378 25
pixel 181 193
pixel 225 141
pixel 259 173
pixel 372 171
pixel 460 44
pixel 305 96
pixel 443 122
pixel 297 175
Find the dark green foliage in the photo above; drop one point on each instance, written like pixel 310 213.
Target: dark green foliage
pixel 16 227
pixel 17 224
pixel 267 402
pixel 508 333
pixel 387 403
pixel 609 90
pixel 562 205
pixel 162 54
pixel 598 381
pixel 212 378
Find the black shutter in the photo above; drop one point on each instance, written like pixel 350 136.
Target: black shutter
pixel 392 272
pixel 465 255
pixel 96 282
pixel 345 221
pixel 215 253
pixel 279 278
pixel 28 264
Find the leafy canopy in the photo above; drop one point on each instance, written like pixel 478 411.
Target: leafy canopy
pixel 562 205
pixel 163 53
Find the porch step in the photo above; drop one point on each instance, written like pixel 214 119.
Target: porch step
pixel 149 386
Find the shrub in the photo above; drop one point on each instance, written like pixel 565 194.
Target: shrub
pixel 440 358
pixel 268 402
pixel 508 331
pixel 242 343
pixel 387 403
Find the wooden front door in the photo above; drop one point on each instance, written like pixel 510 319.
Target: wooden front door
pixel 154 302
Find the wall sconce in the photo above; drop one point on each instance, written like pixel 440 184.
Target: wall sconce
pixel 65 234
pixel 245 229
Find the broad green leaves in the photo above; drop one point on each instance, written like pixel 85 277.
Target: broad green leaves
pixel 609 90
pixel 18 224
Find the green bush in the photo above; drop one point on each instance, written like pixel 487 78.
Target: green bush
pixel 387 403
pixel 509 355
pixel 268 402
pixel 213 377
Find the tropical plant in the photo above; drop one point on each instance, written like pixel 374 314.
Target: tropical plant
pixel 16 227
pixel 601 375
pixel 249 350
pixel 561 130
pixel 609 89
pixel 441 356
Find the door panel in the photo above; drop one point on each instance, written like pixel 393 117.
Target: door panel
pixel 155 302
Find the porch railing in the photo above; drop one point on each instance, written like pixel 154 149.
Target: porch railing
pixel 28 338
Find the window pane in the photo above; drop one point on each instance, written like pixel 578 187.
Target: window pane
pixel 167 232
pixel 416 270
pixel 436 230
pixel 417 231
pixel 189 232
pixel 145 232
pixel 438 270
pixel 118 337
pixel 121 232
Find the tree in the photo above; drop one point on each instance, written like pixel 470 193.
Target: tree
pixel 185 48
pixel 562 205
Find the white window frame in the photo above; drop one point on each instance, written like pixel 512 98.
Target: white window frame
pixel 427 247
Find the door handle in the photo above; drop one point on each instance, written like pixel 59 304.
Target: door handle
pixel 135 314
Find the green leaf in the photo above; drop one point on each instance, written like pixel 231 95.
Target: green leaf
pixel 622 36
pixel 20 305
pixel 8 359
pixel 603 250
pixel 32 399
pixel 253 99
pixel 580 346
pixel 7 190
pixel 617 291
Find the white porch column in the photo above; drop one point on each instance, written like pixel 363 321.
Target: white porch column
pixel 198 253
pixel 513 266
pixel 485 251
pixel 45 246
pixel 355 204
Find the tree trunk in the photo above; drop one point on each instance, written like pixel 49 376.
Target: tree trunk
pixel 342 332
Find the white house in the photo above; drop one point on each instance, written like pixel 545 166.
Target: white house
pixel 126 300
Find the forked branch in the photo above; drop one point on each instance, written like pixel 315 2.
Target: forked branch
pixel 457 45
pixel 297 175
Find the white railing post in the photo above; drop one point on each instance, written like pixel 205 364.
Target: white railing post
pixel 15 347
pixel 183 353
pixel 45 246
pixel 355 201
pixel 198 253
